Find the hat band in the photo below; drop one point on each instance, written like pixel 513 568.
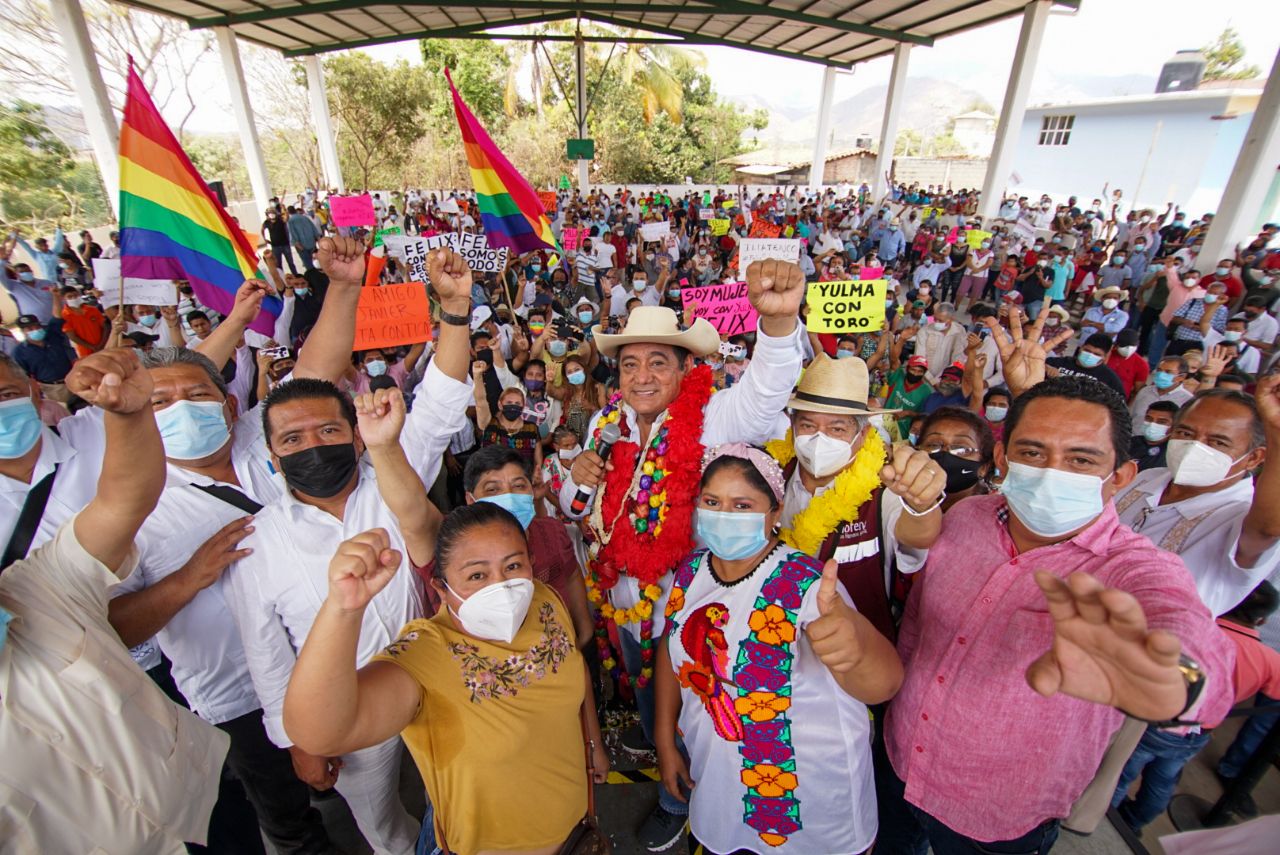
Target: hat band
pixel 830 402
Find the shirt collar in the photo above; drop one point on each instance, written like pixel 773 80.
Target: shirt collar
pixel 53 451
pixel 1095 538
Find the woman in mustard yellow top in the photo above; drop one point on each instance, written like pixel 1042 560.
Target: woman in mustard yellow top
pixel 486 694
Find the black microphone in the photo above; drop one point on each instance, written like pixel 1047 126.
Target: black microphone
pixel 609 434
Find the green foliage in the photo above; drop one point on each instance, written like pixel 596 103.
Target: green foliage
pixel 479 70
pixel 907 143
pixel 1225 53
pixel 42 185
pixel 218 157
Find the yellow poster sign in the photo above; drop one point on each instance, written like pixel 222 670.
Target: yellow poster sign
pixel 719 227
pixel 851 306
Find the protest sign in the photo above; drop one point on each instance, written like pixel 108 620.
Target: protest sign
pixel 655 231
pixel 764 229
pixel 548 199
pixel 975 237
pixel 869 272
pixel 728 204
pixel 1024 231
pixel 475 250
pixel 706 213
pixel 926 213
pixel 391 315
pixel 789 231
pixel 380 236
pixel 450 206
pixel 413 251
pixel 758 249
pixel 725 306
pixel 352 210
pixel 719 227
pixel 706 197
pixel 953 235
pixel 571 238
pixel 846 307
pixel 137 292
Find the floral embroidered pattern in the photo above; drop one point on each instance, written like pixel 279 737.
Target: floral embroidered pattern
pixel 401 644
pixel 488 678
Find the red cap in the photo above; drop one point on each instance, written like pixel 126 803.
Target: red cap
pixel 918 361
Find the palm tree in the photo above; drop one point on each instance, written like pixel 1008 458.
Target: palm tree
pixel 656 71
pixel 521 52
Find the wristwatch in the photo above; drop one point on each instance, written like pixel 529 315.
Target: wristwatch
pixel 1193 676
pixel 454 320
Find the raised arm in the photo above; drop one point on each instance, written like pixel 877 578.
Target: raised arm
pixel 327 353
pixel 381 416
pixel 133 468
pixel 221 344
pixel 1261 527
pixel 330 709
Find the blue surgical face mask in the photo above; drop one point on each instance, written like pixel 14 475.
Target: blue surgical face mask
pixel 36 334
pixel 301 292
pixel 576 378
pixel 1210 299
pixel 375 367
pixel 1088 360
pixel 558 348
pixel 5 617
pixel 1154 431
pixel 1163 379
pixel 148 320
pixel 27 276
pixel 585 317
pixel 1052 502
pixel 730 536
pixel 520 505
pixel 19 427
pixel 192 430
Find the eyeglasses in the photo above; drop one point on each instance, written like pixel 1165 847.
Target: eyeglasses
pixel 934 447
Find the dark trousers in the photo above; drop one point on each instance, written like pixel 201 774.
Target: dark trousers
pixel 284 253
pixel 911 831
pixel 277 800
pixel 1159 759
pixel 1147 320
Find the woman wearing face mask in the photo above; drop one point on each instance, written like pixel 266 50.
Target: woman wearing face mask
pixel 579 394
pixel 963 444
pixel 766 669
pixel 977 268
pixel 512 779
pixel 371 364
pixel 507 426
pixel 994 409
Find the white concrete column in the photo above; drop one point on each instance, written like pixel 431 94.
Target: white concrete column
pixel 86 77
pixel 824 128
pixel 324 124
pixel 892 111
pixel 580 73
pixel 1240 213
pixel 1014 107
pixel 244 117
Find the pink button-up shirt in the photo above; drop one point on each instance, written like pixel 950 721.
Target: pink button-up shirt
pixel 978 749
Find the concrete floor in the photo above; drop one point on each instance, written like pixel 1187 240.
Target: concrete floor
pixel 622 807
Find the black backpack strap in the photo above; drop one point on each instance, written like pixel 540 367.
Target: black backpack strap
pixel 24 531
pixel 231 496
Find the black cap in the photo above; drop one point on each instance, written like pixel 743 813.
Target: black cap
pixel 28 321
pixel 141 339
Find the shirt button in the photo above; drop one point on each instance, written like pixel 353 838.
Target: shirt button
pixel 924 715
pixel 919 749
pixel 941 679
pixel 960 640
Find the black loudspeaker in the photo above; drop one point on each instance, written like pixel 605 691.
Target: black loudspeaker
pixel 219 191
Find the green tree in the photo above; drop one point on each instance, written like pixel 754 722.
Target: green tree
pixel 479 70
pixel 908 142
pixel 1224 55
pixel 42 185
pixel 218 157
pixel 377 109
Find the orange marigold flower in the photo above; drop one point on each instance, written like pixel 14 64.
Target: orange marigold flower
pixel 772 626
pixel 769 781
pixel 762 706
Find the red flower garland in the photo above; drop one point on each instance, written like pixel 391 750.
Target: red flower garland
pixel 648 559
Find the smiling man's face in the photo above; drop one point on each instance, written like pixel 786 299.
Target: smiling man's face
pixel 649 376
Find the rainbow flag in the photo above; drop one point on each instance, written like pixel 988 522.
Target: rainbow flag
pixel 509 208
pixel 171 224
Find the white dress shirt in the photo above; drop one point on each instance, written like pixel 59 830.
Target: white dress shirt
pixel 745 412
pixel 620 294
pixel 1209 548
pixel 1262 328
pixel 1148 395
pixel 275 593
pixel 95 757
pixel 201 641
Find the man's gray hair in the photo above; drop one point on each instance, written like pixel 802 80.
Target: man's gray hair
pixel 944 309
pixel 165 357
pixel 15 369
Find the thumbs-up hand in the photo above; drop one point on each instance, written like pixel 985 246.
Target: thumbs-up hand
pixel 834 635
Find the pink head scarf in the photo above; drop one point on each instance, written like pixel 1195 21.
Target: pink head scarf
pixel 764 464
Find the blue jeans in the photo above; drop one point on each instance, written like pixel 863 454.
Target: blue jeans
pixel 427 836
pixel 1158 342
pixel 307 254
pixel 632 658
pixel 1159 758
pixel 1248 739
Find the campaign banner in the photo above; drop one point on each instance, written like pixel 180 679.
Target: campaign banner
pixel 392 315
pixel 726 306
pixel 352 210
pixel 850 306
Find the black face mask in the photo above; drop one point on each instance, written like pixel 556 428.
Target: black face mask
pixel 320 471
pixel 511 412
pixel 961 474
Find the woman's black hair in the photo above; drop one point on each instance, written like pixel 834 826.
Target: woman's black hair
pixel 975 422
pixel 747 469
pixel 461 520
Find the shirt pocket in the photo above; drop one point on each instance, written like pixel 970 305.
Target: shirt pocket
pixel 108 680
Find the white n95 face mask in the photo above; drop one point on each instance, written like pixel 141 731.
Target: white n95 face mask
pixel 495 612
pixel 1195 464
pixel 822 455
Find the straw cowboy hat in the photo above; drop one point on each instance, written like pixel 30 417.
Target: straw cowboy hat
pixel 1118 293
pixel 658 325
pixel 838 386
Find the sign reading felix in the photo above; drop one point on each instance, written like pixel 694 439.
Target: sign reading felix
pixel 726 306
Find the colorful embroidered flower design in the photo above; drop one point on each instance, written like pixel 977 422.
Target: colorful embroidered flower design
pixel 769 781
pixel 401 644
pixel 772 626
pixel 489 678
pixel 762 706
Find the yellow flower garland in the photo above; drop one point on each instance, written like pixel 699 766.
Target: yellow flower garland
pixel 851 488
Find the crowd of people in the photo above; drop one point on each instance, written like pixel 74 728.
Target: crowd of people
pixel 958 582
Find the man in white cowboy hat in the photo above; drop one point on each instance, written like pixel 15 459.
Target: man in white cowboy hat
pixel 664 426
pixel 841 463
pixel 1106 316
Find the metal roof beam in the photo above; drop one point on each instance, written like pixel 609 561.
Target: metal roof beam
pixel 695 7
pixel 439 33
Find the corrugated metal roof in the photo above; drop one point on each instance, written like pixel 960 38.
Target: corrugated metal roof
pixel 831 32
